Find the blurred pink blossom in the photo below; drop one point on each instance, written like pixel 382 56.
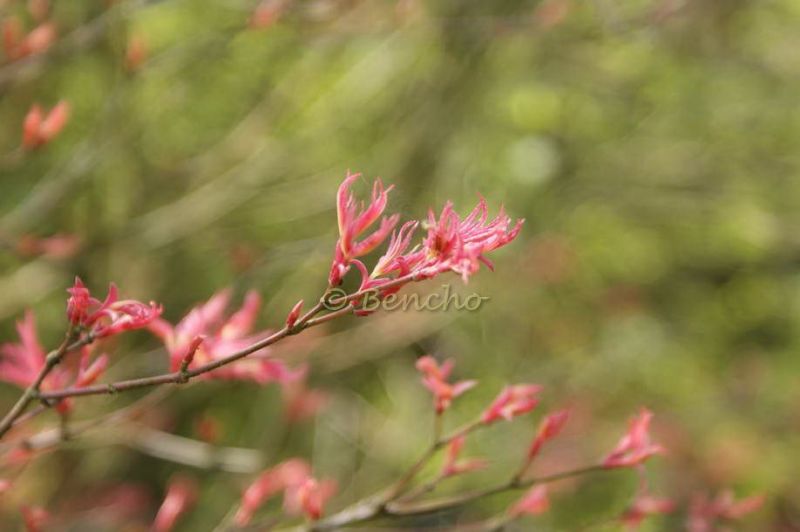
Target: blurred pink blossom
pixel 635 446
pixel 453 466
pixel 221 336
pixel 110 317
pixel 39 128
pixel 181 494
pixel 705 512
pixel 549 428
pixel 354 219
pixel 434 377
pixel 513 401
pixel 302 493
pixel 534 502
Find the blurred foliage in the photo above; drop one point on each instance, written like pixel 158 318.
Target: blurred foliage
pixel 650 144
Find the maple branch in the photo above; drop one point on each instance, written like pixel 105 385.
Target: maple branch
pixel 309 319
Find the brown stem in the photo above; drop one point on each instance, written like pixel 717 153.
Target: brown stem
pixel 52 437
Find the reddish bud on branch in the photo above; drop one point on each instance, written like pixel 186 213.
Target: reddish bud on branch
pixel 294 314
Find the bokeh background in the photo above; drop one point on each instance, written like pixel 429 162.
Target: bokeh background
pixel 651 146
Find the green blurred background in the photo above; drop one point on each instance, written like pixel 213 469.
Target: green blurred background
pixel 650 144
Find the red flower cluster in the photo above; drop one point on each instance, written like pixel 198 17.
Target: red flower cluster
pixel 434 377
pixel 635 446
pixel 205 334
pixel 451 244
pixel 302 494
pixel 110 317
pixel 461 245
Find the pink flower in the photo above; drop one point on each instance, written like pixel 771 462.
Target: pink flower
pixel 5 485
pixel 395 259
pixel 354 219
pixel 21 362
pixel 549 428
pixel 302 493
pixel 635 446
pixel 39 129
pixel 221 337
pixel 308 497
pixel 180 496
pixel 434 377
pixel 513 401
pixel 644 506
pixel 460 245
pixel 110 317
pixel 453 466
pixel 451 244
pixel 703 513
pixel 38 40
pixel 262 489
pixel 16 45
pixel 534 502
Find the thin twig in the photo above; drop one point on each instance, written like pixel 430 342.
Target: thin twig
pixel 460 500
pixel 380 504
pixel 368 509
pixel 51 437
